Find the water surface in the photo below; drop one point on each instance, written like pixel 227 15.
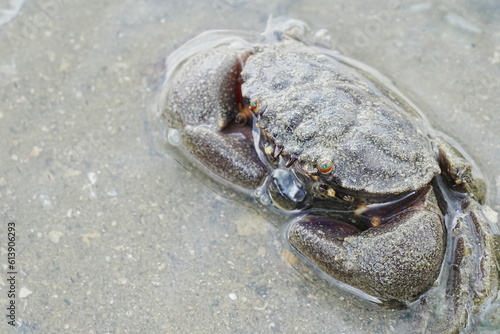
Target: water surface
pixel 114 236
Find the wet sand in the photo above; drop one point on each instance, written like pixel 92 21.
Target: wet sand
pixel 114 236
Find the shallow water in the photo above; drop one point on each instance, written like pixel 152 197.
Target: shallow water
pixel 114 236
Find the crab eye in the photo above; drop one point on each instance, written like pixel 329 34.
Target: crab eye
pixel 325 166
pixel 254 103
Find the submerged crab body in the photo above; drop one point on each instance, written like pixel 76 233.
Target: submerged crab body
pixel 347 155
pixel 326 110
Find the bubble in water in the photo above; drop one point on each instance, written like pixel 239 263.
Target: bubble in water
pixel 259 192
pixel 264 199
pixel 322 37
pixel 174 137
pixel 241 119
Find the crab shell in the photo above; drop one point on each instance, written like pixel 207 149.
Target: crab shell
pixel 327 111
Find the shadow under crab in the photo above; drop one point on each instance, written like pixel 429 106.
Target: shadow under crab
pixel 383 203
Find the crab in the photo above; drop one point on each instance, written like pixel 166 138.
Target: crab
pixel 381 202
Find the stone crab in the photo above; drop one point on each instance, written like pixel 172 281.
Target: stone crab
pixel 382 203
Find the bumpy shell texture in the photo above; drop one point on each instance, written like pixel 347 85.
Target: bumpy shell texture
pixel 317 108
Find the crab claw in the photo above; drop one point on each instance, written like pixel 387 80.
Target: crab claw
pixel 227 153
pixel 396 261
